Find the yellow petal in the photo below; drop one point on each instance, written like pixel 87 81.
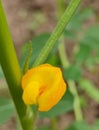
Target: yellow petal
pixel 33 74
pixel 45 74
pixel 43 85
pixel 30 93
pixel 51 97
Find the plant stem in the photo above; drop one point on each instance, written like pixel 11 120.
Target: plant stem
pixel 11 69
pixel 65 64
pixel 26 64
pixel 62 53
pixel 35 118
pixel 54 124
pixel 72 86
pixel 57 32
pixel 77 108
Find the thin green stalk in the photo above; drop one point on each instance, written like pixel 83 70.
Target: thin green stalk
pixel 26 65
pixel 62 53
pixel 65 64
pixel 57 32
pixel 12 73
pixel 54 124
pixel 77 108
pixel 60 10
pixel 35 118
pixel 72 86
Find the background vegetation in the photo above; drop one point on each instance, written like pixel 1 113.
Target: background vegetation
pixel 76 52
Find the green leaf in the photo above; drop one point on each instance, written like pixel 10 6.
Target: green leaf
pixel 96 125
pixel 83 54
pixel 72 72
pixel 74 24
pixel 91 38
pixel 6 110
pixel 85 14
pixel 88 48
pixel 79 126
pixel 92 43
pixel 37 44
pixel 65 105
pixel 89 89
pixel 91 61
pixel 69 34
pixel 79 18
pixel 93 32
pixel 54 60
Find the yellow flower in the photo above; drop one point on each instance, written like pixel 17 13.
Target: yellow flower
pixel 43 86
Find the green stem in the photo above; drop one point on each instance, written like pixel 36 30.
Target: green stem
pixel 77 108
pixel 57 32
pixel 60 10
pixel 12 73
pixel 65 64
pixel 54 124
pixel 26 64
pixel 72 86
pixel 35 118
pixel 62 53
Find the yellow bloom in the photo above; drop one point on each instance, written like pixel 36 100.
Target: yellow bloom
pixel 43 86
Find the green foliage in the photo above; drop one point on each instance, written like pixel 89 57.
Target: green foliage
pixel 77 20
pixel 73 72
pixel 90 89
pixel 37 44
pixel 65 105
pixel 96 125
pixel 43 128
pixel 83 54
pixel 93 34
pixel 53 60
pixel 88 48
pixel 69 35
pixel 87 53
pixel 6 110
pixel 83 126
pixel 91 37
pixel 79 126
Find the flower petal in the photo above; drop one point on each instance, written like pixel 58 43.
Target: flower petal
pixel 30 93
pixel 44 86
pixel 45 74
pixel 50 98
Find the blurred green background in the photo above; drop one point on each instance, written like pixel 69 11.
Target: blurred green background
pixel 35 20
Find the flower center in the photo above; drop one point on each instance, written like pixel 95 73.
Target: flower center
pixel 41 90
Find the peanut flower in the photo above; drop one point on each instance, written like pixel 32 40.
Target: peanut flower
pixel 43 86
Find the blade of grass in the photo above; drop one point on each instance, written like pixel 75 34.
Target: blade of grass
pixel 11 69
